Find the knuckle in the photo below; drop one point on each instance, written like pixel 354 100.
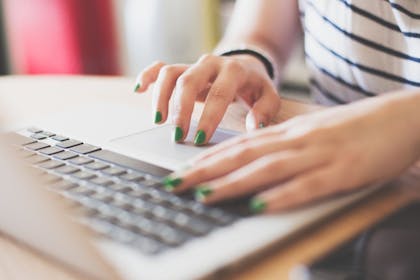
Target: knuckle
pixel 313 183
pixel 272 164
pixel 244 154
pixel 233 66
pixel 168 70
pixel 185 80
pixel 207 58
pixel 217 93
pixel 156 63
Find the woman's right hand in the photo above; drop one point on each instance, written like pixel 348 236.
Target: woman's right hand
pixel 216 79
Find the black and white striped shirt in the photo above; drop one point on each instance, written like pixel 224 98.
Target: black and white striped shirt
pixel 361 48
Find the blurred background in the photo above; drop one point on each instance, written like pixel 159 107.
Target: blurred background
pixel 114 37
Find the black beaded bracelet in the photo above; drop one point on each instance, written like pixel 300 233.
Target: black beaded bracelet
pixel 267 64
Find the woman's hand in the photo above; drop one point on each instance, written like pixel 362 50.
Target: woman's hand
pixel 217 80
pixel 311 156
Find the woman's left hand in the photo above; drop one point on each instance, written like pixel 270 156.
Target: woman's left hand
pixel 309 157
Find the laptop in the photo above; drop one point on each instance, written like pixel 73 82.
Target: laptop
pixel 90 180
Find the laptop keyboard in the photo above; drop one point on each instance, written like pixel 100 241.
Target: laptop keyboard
pixel 122 198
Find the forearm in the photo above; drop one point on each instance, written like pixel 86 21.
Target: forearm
pixel 269 25
pixel 408 102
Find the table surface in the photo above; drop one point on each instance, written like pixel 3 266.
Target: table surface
pixel 23 98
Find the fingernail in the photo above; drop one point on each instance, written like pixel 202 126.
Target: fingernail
pixel 178 134
pixel 200 137
pixel 261 125
pixel 136 88
pixel 202 192
pixel 256 205
pixel 170 183
pixel 158 117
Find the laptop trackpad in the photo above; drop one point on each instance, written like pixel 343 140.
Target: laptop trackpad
pixel 157 146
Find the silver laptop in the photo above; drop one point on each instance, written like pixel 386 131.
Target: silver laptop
pixel 107 162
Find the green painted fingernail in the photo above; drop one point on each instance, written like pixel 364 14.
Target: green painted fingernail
pixel 136 88
pixel 170 183
pixel 261 125
pixel 202 192
pixel 158 117
pixel 200 137
pixel 257 205
pixel 178 134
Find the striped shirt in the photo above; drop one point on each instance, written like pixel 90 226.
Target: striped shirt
pixel 360 48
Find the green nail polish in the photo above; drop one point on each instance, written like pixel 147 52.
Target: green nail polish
pixel 178 134
pixel 261 125
pixel 202 192
pixel 137 87
pixel 170 183
pixel 158 117
pixel 200 137
pixel 257 205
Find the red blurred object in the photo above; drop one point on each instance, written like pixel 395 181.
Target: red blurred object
pixel 62 36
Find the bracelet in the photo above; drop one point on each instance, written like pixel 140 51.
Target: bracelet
pixel 267 63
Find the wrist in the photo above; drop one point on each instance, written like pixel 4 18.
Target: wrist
pixel 257 54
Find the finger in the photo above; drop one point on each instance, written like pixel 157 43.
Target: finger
pixel 163 89
pixel 234 142
pixel 221 94
pixel 148 76
pixel 227 162
pixel 261 173
pixel 264 109
pixel 305 188
pixel 192 82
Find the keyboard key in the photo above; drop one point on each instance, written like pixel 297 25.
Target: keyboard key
pixel 64 185
pixel 48 134
pixel 85 149
pixel 219 216
pixel 84 175
pixel 120 188
pixel 67 169
pixel 65 155
pixel 131 163
pixel 52 164
pixel 150 183
pixel 122 235
pixel 37 159
pixel 39 136
pixel 139 193
pixel 50 151
pixel 96 165
pixel 82 190
pixel 59 138
pixel 78 160
pixel 132 177
pixel 142 207
pixel 169 236
pixel 18 139
pixel 37 146
pixel 147 245
pixel 34 130
pixel 50 178
pixel 101 181
pixel 113 171
pixel 103 196
pixel 69 143
pixel 198 227
pixel 163 213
